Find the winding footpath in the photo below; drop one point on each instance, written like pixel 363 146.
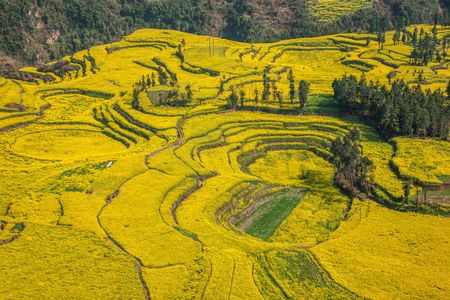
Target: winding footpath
pixel 110 198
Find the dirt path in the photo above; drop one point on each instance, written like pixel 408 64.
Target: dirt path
pixel 110 198
pixel 177 143
pixel 4 242
pixel 141 278
pixel 183 197
pixel 115 243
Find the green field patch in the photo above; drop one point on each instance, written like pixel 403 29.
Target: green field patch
pixel 442 197
pixel 323 101
pixel 317 109
pixel 186 233
pixel 263 222
pixel 444 178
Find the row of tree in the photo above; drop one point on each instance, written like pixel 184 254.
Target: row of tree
pixel 270 88
pixel 399 111
pixel 425 48
pixel 425 45
pixel 170 98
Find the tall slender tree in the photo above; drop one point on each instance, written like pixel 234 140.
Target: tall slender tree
pixel 291 86
pixel 303 91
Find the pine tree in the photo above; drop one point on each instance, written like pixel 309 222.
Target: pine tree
pixel 242 94
pixel 303 91
pixel 153 79
pixel 256 92
pixel 407 186
pixel 274 90
pixel 280 98
pixel 188 92
pixel 396 37
pixel 291 86
pixel 448 89
pixel 414 37
pixel 143 83
pixel 381 40
pixel 233 98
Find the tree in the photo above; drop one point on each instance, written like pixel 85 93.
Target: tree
pixel 407 186
pixel 448 89
pixel 414 37
pixel 303 91
pixel 274 90
pixel 414 56
pixel 280 98
pixel 434 31
pixel 153 79
pixel 143 82
pixel 291 86
pixel 381 40
pixel 400 111
pixel 242 94
pixel 232 99
pixel 389 119
pixel 162 76
pixel 396 37
pixel 221 87
pixel 266 90
pixel 188 92
pixel 179 53
pixel 256 95
pixel 354 171
pixel 423 122
pixel 438 56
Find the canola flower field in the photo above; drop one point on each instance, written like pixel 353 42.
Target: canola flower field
pixel 103 198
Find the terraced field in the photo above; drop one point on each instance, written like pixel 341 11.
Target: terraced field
pixel 330 10
pixel 105 194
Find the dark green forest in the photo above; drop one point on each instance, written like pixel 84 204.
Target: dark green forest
pixel 38 31
pixel 400 111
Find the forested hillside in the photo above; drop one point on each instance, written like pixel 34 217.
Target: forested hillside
pixel 38 31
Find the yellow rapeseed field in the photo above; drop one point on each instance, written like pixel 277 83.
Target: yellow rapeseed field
pixel 106 194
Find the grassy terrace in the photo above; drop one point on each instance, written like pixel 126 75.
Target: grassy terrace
pixel 104 197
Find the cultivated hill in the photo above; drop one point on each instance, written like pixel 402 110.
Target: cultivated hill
pixel 36 32
pixel 125 174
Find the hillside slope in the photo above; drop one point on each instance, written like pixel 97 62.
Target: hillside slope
pixel 35 32
pixel 124 174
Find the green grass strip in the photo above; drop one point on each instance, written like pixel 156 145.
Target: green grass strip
pixel 266 219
